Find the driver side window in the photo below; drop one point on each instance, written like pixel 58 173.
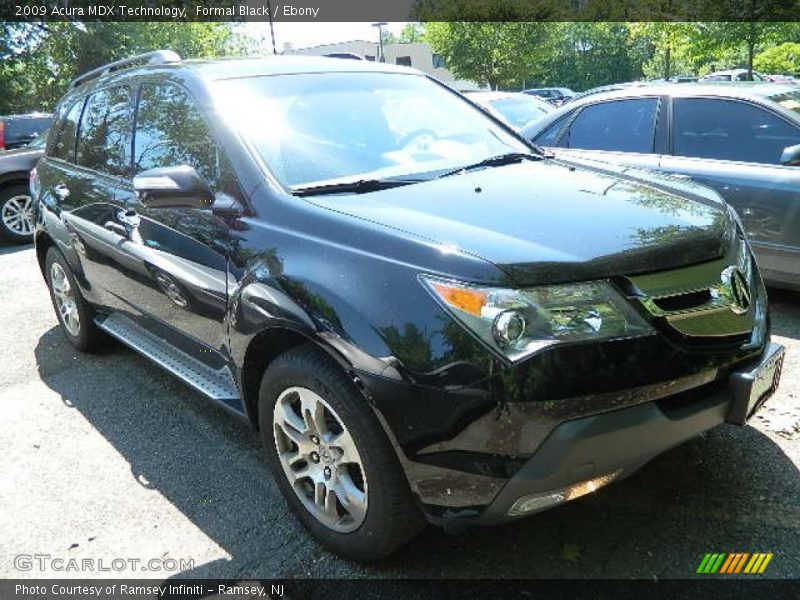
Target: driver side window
pixel 171 131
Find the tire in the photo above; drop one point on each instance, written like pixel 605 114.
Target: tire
pixel 387 516
pixel 77 326
pixel 16 214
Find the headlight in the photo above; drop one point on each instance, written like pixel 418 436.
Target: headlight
pixel 520 322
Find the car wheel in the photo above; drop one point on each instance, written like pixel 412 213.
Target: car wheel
pixel 75 315
pixel 331 459
pixel 16 214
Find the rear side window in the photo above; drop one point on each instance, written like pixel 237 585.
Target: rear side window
pixel 63 146
pixel 171 131
pixel 730 130
pixel 618 126
pixel 26 129
pixel 104 136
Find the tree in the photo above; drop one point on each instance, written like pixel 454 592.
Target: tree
pixel 38 69
pixel 584 55
pixel 493 54
pixel 781 59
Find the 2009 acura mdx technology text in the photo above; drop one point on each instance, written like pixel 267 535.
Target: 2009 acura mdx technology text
pixel 424 317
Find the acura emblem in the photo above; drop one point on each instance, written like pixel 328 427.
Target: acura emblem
pixel 739 289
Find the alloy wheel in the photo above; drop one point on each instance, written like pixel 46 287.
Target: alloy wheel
pixel 65 298
pixel 17 215
pixel 320 459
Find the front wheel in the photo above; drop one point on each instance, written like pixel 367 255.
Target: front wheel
pixel 331 459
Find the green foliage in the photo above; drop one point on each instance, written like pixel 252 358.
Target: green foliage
pixel 40 63
pixel 582 55
pixel 783 59
pixel 493 54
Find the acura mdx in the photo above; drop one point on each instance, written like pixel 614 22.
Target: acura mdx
pixel 425 318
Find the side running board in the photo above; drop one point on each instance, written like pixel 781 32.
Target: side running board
pixel 217 385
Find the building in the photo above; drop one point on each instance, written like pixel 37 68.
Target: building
pixel 416 55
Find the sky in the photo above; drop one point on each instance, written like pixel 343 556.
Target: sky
pixel 303 35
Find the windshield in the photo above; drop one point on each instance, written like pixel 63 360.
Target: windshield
pixel 326 127
pixel 518 112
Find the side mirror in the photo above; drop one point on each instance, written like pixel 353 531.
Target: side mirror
pixel 791 156
pixel 173 187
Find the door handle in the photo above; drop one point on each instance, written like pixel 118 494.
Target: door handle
pixel 62 191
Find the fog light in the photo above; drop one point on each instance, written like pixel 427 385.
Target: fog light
pixel 537 502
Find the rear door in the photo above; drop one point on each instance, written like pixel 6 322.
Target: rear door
pixel 617 131
pixel 735 146
pixel 87 164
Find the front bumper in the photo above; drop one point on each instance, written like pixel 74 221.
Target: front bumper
pixel 469 459
pixel 582 454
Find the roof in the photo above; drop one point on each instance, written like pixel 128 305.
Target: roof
pixel 227 68
pixel 744 89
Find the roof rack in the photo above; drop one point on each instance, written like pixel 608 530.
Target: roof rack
pixel 158 57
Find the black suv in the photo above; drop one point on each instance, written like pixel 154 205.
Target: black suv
pixel 17 131
pixel 424 317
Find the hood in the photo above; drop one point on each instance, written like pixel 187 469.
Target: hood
pixel 552 221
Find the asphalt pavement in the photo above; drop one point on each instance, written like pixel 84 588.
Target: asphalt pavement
pixel 107 457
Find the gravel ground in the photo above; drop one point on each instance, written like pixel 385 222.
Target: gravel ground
pixel 108 457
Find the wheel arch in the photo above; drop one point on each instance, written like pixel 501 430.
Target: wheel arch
pixel 267 345
pixel 42 241
pixel 14 178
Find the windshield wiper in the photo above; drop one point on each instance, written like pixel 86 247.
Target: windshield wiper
pixel 360 186
pixel 495 161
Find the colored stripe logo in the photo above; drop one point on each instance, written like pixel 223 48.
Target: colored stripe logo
pixel 735 562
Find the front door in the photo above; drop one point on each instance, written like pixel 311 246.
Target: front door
pixel 178 284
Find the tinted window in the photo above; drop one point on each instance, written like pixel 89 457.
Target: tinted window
pixel 403 60
pixel 730 130
pixel 170 131
pixel 26 129
pixel 621 126
pixel 104 136
pixel 549 137
pixel 64 144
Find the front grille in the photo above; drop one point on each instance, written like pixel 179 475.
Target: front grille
pixel 706 304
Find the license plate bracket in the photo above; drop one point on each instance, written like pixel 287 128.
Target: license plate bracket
pixel 752 387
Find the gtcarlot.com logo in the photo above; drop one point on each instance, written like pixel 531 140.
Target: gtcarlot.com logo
pixel 735 562
pixel 47 562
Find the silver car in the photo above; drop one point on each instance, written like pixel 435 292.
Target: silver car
pixel 743 140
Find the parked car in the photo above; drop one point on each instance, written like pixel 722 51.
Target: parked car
pixel 513 108
pixel 16 205
pixel 555 96
pixel 683 79
pixel 742 140
pixel 783 79
pixel 734 75
pixel 424 318
pixel 17 131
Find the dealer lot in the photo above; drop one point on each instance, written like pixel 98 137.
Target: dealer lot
pixel 107 457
